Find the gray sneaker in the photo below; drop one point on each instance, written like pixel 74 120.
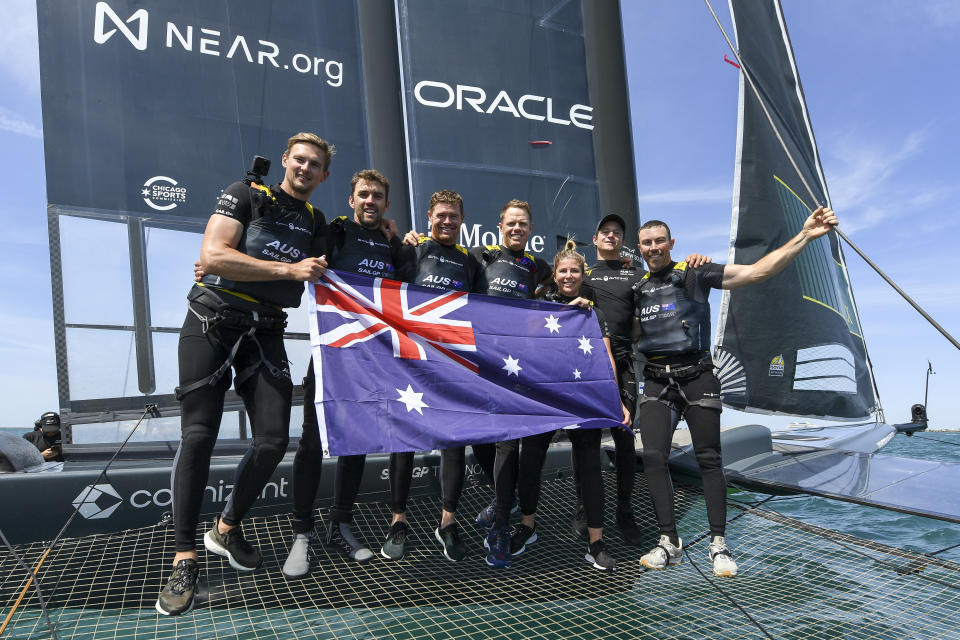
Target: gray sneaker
pixel 178 594
pixel 663 554
pixel 298 559
pixel 340 536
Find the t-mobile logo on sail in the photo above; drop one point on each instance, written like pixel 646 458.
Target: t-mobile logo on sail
pixel 140 16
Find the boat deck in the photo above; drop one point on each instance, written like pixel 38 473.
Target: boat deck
pixel 796 581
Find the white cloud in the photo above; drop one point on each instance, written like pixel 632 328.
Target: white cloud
pixel 944 13
pixel 19 49
pixel 688 196
pixel 10 121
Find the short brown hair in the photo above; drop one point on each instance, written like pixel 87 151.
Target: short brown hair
pixel 311 138
pixel 650 224
pixel 448 196
pixel 370 175
pixel 518 204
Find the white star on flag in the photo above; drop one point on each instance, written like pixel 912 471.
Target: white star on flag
pixel 412 399
pixel 511 366
pixel 585 345
pixel 576 374
pixel 553 324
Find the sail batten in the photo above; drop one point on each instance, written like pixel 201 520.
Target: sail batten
pixel 792 345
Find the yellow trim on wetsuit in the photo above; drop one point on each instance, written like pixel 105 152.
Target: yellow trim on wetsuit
pixel 267 191
pixel 240 295
pixel 680 266
pixel 461 249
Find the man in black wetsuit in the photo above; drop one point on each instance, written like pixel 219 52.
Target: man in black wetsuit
pixel 510 272
pixel 674 334
pixel 612 283
pixel 441 264
pixel 258 241
pixel 357 245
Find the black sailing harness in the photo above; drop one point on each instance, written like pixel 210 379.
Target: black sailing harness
pixel 673 377
pixel 214 311
pixel 684 313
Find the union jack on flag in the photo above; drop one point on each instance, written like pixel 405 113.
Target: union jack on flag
pixel 412 330
pixel 406 368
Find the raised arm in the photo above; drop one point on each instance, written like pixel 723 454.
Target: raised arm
pixel 818 224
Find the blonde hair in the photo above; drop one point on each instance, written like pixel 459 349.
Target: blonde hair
pixel 311 138
pixel 569 251
pixel 447 196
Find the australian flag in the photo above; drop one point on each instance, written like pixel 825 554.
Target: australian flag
pixel 406 368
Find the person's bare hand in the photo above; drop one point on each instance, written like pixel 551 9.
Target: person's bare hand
pixel 697 260
pixel 198 271
pixel 412 238
pixel 583 303
pixel 308 269
pixel 389 228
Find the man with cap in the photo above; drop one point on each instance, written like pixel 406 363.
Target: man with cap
pixel 612 280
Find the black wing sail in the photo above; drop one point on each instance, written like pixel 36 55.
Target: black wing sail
pixel 793 344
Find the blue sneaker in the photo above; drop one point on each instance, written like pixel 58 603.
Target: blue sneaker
pixel 486 517
pixel 498 546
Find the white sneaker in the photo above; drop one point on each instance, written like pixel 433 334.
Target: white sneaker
pixel 663 554
pixel 298 560
pixel 723 564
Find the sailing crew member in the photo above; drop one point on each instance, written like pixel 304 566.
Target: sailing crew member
pixel 441 264
pixel 258 240
pixel 612 283
pixel 673 331
pixel 568 268
pixel 356 244
pixel 510 272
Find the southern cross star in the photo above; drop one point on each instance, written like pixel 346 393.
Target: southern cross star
pixel 585 345
pixel 412 399
pixel 553 324
pixel 512 366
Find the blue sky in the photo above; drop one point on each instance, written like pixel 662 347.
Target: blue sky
pixel 881 87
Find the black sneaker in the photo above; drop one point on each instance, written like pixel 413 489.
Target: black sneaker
pixel 598 557
pixel 231 545
pixel 395 546
pixel 340 536
pixel 628 528
pixel 449 537
pixel 177 596
pixel 579 525
pixel 522 536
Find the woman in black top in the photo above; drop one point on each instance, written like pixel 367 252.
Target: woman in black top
pixel 568 272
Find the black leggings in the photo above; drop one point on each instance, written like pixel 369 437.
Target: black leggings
pixel 656 424
pixel 267 402
pixel 452 467
pixel 519 464
pixel 308 464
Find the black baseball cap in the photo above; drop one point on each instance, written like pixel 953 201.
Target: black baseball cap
pixel 612 217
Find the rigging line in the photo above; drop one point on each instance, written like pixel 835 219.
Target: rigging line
pixel 727 596
pixel 150 409
pixel 813 197
pixel 955 444
pixel 953 546
pixel 30 581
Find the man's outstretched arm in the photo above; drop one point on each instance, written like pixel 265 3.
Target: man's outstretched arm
pixel 818 224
